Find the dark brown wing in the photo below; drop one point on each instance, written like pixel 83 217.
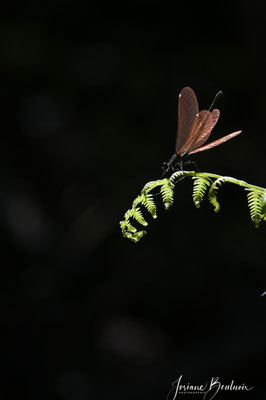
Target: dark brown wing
pixel 187 110
pixel 216 142
pixel 203 122
pixel 205 131
pixel 215 116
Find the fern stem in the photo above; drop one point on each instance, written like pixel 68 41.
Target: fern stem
pixel 227 179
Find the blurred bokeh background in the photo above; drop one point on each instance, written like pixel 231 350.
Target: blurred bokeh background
pixel 88 115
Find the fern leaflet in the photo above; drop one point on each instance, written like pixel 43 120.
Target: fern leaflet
pixel 199 189
pixel 148 202
pixel 213 192
pixel 256 206
pixel 263 210
pixel 167 194
pixel 137 215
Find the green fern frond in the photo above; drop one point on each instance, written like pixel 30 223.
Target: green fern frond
pixel 128 230
pixel 167 194
pixel 127 227
pixel 256 205
pixel 128 215
pixel 135 237
pixel 200 186
pixel 213 192
pixel 137 200
pixel 177 176
pixel 153 184
pixel 137 215
pixel 256 198
pixel 149 204
pixel 263 211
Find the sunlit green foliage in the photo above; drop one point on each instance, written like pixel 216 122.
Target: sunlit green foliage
pixel 203 182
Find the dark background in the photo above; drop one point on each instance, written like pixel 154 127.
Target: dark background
pixel 88 115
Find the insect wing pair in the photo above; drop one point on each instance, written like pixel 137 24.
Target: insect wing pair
pixel 194 128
